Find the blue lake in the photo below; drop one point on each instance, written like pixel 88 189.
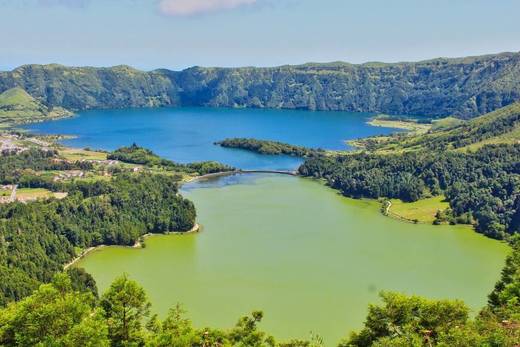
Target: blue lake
pixel 188 134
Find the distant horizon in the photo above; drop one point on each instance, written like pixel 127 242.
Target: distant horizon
pixel 177 34
pixel 8 69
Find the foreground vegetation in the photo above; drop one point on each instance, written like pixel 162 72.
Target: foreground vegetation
pixel 68 312
pixel 270 147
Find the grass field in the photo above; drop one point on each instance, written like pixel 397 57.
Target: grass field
pixel 17 106
pixel 446 123
pixel 509 138
pixel 31 194
pixel 383 121
pixel 74 154
pixel 423 210
pixel 501 126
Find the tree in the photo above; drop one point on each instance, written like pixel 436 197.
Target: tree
pixel 246 334
pixel 126 305
pixel 55 315
pixel 82 281
pixel 407 321
pixel 504 300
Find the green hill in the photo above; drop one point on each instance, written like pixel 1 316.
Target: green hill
pixel 17 106
pixel 499 127
pixel 462 87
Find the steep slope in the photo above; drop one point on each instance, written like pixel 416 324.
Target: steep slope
pixel 499 127
pixel 16 105
pixel 463 87
pixel 86 87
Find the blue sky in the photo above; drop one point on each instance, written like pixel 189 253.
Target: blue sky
pixel 176 34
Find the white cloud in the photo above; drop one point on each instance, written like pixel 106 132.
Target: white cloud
pixel 193 7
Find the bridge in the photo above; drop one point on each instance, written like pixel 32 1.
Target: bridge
pixel 281 172
pixel 234 172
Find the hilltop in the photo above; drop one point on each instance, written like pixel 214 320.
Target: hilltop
pixel 461 87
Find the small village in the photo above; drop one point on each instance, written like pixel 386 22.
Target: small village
pixel 16 143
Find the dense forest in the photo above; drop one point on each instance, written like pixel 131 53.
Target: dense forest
pixel 269 147
pixel 482 187
pixel 139 155
pixel 464 87
pixel 68 312
pixel 38 238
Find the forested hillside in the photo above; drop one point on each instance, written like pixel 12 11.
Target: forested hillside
pixel 464 87
pixel 107 204
pixel 37 239
pixel 474 164
pixel 499 127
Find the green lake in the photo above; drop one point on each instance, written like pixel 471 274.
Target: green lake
pixel 311 259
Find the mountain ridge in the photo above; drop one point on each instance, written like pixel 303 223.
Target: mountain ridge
pixel 463 87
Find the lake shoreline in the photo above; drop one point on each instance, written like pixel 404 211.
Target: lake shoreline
pixel 137 245
pixel 247 252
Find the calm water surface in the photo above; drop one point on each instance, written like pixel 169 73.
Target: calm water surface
pixel 188 134
pixel 309 258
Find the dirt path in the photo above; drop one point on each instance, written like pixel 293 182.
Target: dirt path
pixel 12 198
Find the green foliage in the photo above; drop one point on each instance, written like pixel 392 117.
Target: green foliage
pixel 504 300
pixel 37 239
pixel 269 147
pixel 408 318
pixel 16 168
pixel 58 315
pixel 483 186
pixel 246 334
pixel 16 105
pixel 54 315
pixel 500 126
pixel 139 155
pixel 403 321
pixel 82 281
pixel 87 88
pixel 463 87
pixel 125 306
